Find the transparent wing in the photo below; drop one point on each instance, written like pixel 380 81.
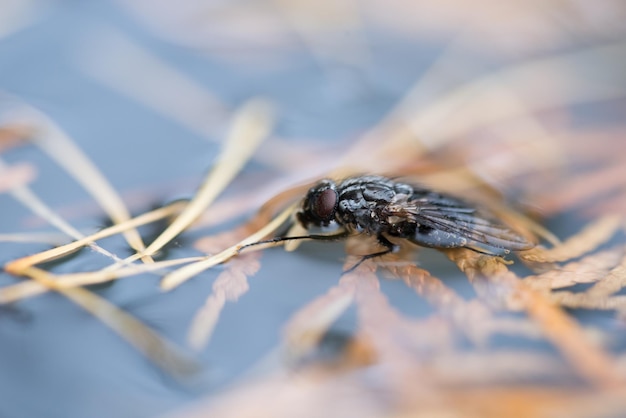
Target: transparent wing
pixel 446 222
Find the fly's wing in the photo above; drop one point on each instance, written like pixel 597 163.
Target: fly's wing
pixel 446 222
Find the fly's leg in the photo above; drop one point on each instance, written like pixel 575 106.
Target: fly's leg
pixel 390 247
pixel 334 237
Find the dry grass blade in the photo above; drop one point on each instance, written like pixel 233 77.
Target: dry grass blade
pixel 12 177
pixel 581 188
pixel 62 149
pixel 178 277
pixel 115 60
pixel 163 353
pixel 18 267
pixel 23 290
pixel 21 266
pixel 313 21
pixel 42 238
pixel 592 236
pixel 251 125
pixel 548 83
pixel 540 84
pixel 26 197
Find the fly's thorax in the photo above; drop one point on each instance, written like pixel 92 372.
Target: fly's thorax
pixel 362 203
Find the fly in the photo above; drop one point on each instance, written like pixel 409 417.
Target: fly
pixel 385 208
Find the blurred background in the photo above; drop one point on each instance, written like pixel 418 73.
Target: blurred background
pixel 524 98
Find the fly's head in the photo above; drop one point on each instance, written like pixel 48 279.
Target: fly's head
pixel 319 205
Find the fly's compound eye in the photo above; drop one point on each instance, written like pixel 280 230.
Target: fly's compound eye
pixel 319 205
pixel 325 205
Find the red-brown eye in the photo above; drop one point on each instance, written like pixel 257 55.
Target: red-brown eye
pixel 324 207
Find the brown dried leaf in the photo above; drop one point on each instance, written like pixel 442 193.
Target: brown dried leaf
pixel 489 275
pixel 593 268
pixel 613 282
pixel 593 363
pixel 468 317
pixel 495 367
pixel 11 135
pixel 229 286
pixel 583 300
pixel 599 295
pixel 380 324
pixel 587 240
pixel 590 361
pixel 307 326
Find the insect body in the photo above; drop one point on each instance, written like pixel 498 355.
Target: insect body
pixel 384 208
